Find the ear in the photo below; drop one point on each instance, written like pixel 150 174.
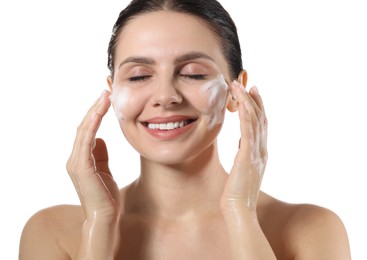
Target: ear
pixel 109 82
pixel 232 104
pixel 242 78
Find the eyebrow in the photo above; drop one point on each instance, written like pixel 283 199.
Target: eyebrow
pixel 183 58
pixel 192 56
pixel 138 59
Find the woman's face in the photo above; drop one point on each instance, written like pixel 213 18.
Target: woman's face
pixel 169 90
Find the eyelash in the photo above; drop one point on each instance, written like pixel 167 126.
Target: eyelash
pixel 139 78
pixel 194 76
pixel 189 76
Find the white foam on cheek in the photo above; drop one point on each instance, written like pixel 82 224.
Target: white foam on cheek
pixel 215 91
pixel 120 98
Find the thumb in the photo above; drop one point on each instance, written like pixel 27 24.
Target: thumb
pixel 101 156
pixel 101 161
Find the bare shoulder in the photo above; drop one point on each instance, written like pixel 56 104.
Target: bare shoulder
pixel 303 231
pixel 51 233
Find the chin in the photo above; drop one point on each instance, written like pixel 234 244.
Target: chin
pixel 185 155
pixel 167 157
pixel 178 151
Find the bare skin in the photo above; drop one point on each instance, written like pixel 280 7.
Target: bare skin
pixel 293 231
pixel 184 205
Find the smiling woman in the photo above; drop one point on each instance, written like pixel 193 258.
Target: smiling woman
pixel 170 90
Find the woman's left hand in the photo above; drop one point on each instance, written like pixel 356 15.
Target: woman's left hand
pixel 243 185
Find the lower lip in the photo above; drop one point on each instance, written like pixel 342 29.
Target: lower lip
pixel 169 134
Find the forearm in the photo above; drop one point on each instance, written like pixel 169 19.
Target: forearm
pixel 246 238
pixel 98 241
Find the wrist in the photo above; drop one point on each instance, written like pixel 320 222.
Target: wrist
pixel 100 227
pixel 237 209
pixel 240 218
pixel 99 240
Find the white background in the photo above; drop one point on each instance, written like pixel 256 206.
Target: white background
pixel 308 59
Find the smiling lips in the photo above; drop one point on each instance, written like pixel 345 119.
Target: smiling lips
pixel 166 128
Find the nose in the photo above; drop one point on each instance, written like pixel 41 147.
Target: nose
pixel 166 95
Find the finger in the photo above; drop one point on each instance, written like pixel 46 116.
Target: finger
pixel 100 107
pixel 249 125
pixel 87 139
pixel 95 106
pixel 246 127
pixel 242 167
pixel 100 154
pixel 244 98
pixel 82 164
pixel 74 163
pixel 242 94
pixel 110 184
pixel 260 121
pixel 86 119
pixel 254 102
pixel 254 92
pixel 263 122
pixel 252 155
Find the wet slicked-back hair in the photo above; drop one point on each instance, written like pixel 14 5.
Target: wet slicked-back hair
pixel 209 11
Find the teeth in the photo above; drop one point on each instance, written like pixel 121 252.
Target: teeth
pixel 168 126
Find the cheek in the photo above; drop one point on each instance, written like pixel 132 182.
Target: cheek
pixel 215 93
pixel 210 100
pixel 120 99
pixel 126 103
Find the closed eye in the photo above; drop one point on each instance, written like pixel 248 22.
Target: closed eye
pixel 139 78
pixel 194 76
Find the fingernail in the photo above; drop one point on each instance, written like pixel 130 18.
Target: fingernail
pixel 256 90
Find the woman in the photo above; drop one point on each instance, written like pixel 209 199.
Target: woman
pixel 175 68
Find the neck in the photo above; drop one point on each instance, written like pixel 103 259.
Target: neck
pixel 193 187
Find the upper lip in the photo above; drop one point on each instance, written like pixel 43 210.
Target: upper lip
pixel 162 120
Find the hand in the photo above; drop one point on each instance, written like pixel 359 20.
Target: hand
pixel 243 185
pixel 88 168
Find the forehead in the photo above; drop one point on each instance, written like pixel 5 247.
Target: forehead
pixel 169 33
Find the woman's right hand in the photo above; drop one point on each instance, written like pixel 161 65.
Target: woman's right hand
pixel 98 193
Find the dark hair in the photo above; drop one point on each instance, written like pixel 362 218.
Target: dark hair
pixel 210 11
